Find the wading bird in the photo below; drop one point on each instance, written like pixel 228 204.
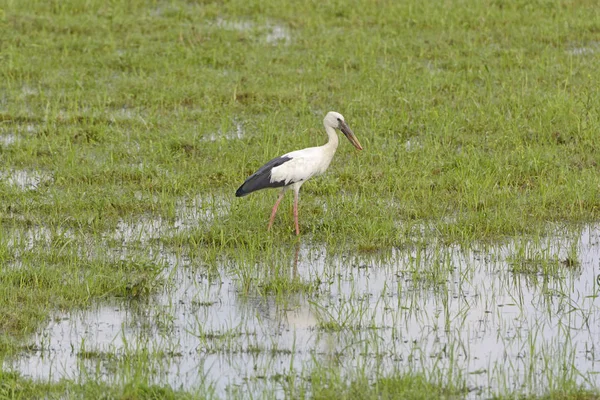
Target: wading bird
pixel 291 170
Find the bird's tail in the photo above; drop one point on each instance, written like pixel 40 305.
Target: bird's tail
pixel 261 179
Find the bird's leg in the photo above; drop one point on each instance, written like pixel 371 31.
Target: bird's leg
pixel 275 210
pixel 296 212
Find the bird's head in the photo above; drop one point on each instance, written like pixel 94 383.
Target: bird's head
pixel 336 120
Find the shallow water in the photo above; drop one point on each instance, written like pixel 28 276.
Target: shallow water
pixel 25 179
pixel 453 314
pixel 278 34
pixel 12 135
pixel 189 214
pixel 8 139
pixel 273 33
pixel 584 49
pixel 237 133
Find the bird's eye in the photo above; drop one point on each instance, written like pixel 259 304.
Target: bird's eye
pixel 339 120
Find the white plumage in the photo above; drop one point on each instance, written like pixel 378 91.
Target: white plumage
pixel 292 169
pixel 304 164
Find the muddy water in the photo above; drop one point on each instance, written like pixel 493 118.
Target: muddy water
pixel 454 314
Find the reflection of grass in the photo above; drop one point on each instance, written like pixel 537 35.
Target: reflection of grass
pixel 346 316
pixel 479 122
pixel 125 358
pixel 328 386
pixel 534 264
pixel 284 285
pixel 537 258
pixel 14 387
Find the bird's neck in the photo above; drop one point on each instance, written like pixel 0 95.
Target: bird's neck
pixel 333 141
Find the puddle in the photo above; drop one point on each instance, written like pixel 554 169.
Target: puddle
pixel 135 233
pixel 241 26
pixel 25 179
pixel 27 91
pixel 413 144
pixel 8 139
pixel 201 324
pixel 141 231
pixel 123 114
pixel 273 34
pixel 30 237
pixel 126 114
pixel 278 34
pixel 591 48
pixel 443 311
pixel 581 51
pixel 22 241
pixel 236 133
pixel 432 67
pixel 189 213
pixel 34 238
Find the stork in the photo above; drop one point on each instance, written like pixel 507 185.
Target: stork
pixel 291 170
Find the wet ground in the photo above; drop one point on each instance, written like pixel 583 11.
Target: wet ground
pixel 486 316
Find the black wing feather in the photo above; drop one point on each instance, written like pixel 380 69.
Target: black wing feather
pixel 261 179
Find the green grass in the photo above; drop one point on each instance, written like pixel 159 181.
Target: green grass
pixel 407 387
pixel 479 120
pixel 502 122
pixel 14 387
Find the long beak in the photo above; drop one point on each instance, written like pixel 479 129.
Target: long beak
pixel 350 135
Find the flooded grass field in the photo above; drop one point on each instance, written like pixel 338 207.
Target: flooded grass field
pixel 519 316
pixel 457 256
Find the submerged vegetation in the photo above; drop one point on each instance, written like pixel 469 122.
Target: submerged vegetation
pixel 126 126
